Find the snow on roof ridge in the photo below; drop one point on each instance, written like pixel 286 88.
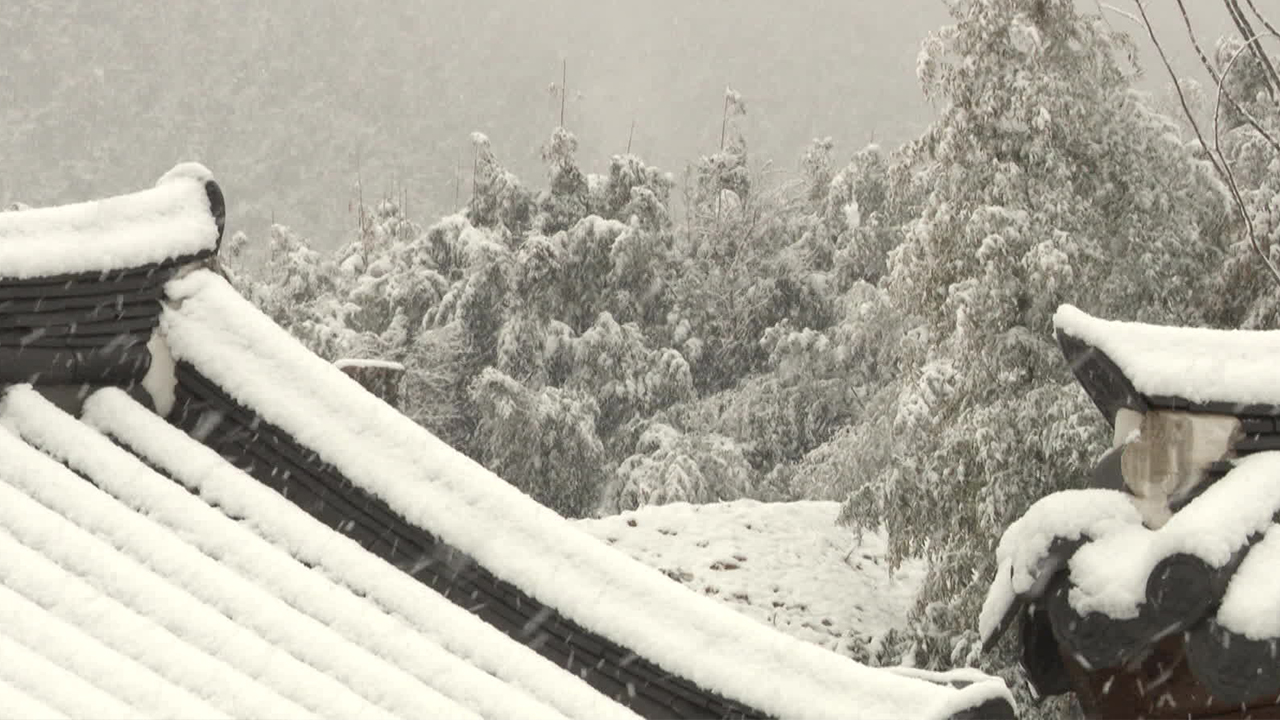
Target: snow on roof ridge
pixel 18 705
pixel 367 362
pixel 1193 363
pixel 435 487
pixel 1251 604
pixel 171 220
pixel 356 617
pixel 344 561
pixel 61 688
pixel 186 171
pixel 75 649
pixel 318 669
pixel 31 573
pixel 1024 548
pixel 1110 574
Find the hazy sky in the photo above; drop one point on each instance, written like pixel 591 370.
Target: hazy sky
pixel 285 99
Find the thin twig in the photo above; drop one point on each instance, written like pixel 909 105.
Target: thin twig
pixel 1195 43
pixel 1270 28
pixel 1219 81
pixel 1107 6
pixel 1231 179
pixel 1177 87
pixel 724 121
pixel 1246 31
pixel 1219 162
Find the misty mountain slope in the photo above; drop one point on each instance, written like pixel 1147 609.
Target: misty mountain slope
pixel 284 99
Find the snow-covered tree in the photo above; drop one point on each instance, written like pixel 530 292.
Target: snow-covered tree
pixel 1045 180
pixel 670 466
pixel 542 441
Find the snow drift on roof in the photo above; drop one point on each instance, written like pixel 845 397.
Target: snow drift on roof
pixel 226 583
pixel 788 565
pixel 1196 364
pixel 73 648
pixel 473 663
pixel 367 363
pixel 171 220
pixel 435 487
pixel 1251 605
pixel 1024 557
pixel 1110 571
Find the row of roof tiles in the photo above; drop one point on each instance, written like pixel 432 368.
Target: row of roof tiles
pixel 240 529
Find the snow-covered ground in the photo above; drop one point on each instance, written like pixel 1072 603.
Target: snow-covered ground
pixel 788 565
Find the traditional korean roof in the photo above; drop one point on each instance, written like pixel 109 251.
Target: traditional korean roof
pixel 1140 366
pixel 230 526
pixel 1098 587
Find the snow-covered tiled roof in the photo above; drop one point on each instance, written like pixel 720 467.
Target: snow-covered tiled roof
pixel 181 217
pixel 1231 371
pixel 80 285
pixel 1113 584
pixel 266 538
pixel 1112 588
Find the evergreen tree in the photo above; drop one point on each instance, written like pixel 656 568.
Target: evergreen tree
pixel 1046 180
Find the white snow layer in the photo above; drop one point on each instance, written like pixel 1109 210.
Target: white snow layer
pixel 529 682
pixel 170 220
pixel 433 486
pixel 367 363
pixel 788 565
pixel 71 647
pixel 18 705
pixel 350 607
pixel 161 381
pixel 61 688
pixel 203 601
pixel 1023 552
pixel 1251 605
pixel 1197 364
pixel 1109 572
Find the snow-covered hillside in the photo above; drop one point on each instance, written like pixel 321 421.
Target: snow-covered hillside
pixel 788 565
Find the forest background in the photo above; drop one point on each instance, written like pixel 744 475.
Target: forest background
pixel 652 302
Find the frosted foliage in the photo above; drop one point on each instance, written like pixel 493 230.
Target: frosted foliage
pixel 543 442
pixel 1243 296
pixel 625 376
pixel 670 466
pixel 498 199
pixel 1045 180
pixel 565 199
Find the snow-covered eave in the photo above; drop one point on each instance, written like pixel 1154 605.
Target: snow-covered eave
pixel 436 488
pixel 182 217
pixel 1141 366
pixel 1121 587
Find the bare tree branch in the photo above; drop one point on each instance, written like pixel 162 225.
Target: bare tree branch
pixel 1177 86
pixel 1219 82
pixel 1270 28
pixel 1195 42
pixel 1246 31
pixel 1107 6
pixel 1219 161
